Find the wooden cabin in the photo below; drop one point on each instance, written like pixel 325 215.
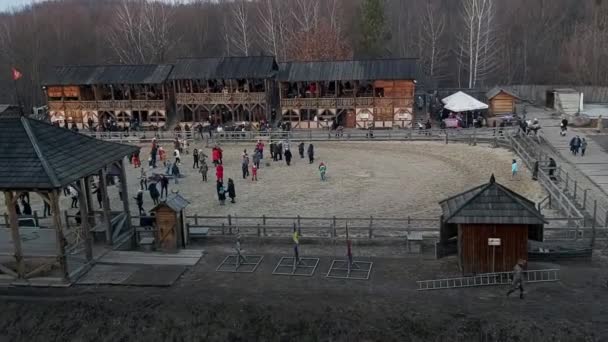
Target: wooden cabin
pixel 98 95
pixel 224 89
pixel 490 211
pixel 355 93
pixel 171 231
pixel 501 101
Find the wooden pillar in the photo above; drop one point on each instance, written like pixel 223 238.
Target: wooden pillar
pixel 125 197
pixel 89 200
pixel 11 199
pixel 107 217
pixel 54 197
pixel 84 214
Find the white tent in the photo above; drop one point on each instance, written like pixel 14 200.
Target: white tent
pixel 462 102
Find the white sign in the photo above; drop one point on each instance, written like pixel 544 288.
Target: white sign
pixel 493 242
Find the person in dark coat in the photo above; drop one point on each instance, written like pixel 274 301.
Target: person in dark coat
pixel 97 193
pixel 221 194
pixel 195 156
pixel 288 157
pixel 153 153
pixel 231 190
pixel 27 208
pixel 311 154
pixel 301 149
pixel 175 172
pixel 273 147
pixel 139 199
pixel 17 209
pixel 153 190
pixel 280 150
pixel 164 186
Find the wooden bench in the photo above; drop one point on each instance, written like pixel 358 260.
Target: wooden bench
pixel 147 243
pixel 414 242
pixel 198 232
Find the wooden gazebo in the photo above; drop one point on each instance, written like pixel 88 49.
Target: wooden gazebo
pixel 492 226
pixel 36 157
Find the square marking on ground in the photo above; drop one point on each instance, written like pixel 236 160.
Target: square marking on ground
pixel 249 265
pixel 306 267
pixel 360 270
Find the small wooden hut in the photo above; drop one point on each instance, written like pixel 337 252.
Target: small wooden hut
pixel 492 226
pixel 171 233
pixel 502 101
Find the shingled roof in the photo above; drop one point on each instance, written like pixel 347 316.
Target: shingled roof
pixel 490 203
pixel 229 68
pixel 373 69
pixel 497 90
pixel 107 74
pixel 36 155
pixel 176 203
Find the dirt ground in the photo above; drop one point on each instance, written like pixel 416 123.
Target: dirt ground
pixel 211 306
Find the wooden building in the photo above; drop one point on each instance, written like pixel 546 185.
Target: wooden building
pixel 490 211
pixel 171 232
pixel 502 101
pixel 355 93
pixel 224 89
pixel 102 93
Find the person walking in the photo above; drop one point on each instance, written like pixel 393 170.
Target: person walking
pixel 135 159
pixel 260 147
pixel 583 147
pixel 139 199
pixel 143 179
pixel 221 194
pixel 273 152
pixel 311 154
pixel 74 196
pixel 231 190
pixel 27 208
pixel 254 172
pixel 288 157
pixel 280 150
pixel 215 155
pixel 175 173
pixel 514 169
pixel 176 155
pixel 162 155
pixel 322 170
pixel 219 173
pixel 256 158
pixel 97 193
pixel 245 165
pixel 153 153
pixel 203 170
pixel 47 209
pixel 301 150
pixel 164 186
pixel 153 190
pixel 518 281
pixel 195 157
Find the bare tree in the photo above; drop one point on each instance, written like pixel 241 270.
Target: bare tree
pixel 270 27
pixel 432 53
pixel 240 38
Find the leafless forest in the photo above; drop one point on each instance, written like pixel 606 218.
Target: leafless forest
pixel 461 43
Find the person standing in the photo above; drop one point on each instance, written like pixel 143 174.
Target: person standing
pixel 514 169
pixel 47 209
pixel 74 196
pixel 27 208
pixel 256 158
pixel 176 155
pixel 143 179
pixel 175 172
pixel 288 157
pixel 518 281
pixel 139 199
pixel 245 165
pixel 219 173
pixel 273 152
pixel 322 170
pixel 260 147
pixel 231 190
pixel 311 154
pixel 195 157
pixel 254 172
pixel 203 170
pixel 164 186
pixel 153 153
pixel 97 193
pixel 280 150
pixel 301 150
pixel 215 155
pixel 583 147
pixel 153 190
pixel 221 194
pixel 162 155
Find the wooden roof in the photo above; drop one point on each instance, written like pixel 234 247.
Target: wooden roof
pixel 490 203
pixel 372 69
pixel 36 155
pixel 176 203
pixel 8 109
pixel 108 74
pixel 228 68
pixel 497 90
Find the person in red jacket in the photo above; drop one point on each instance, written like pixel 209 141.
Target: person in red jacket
pixel 219 173
pixel 215 155
pixel 220 154
pixel 260 147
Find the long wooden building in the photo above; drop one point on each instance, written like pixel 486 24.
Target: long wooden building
pixel 94 95
pixel 224 89
pixel 355 93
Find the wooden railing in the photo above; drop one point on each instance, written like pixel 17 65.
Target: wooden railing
pixel 108 105
pixel 344 102
pixel 220 98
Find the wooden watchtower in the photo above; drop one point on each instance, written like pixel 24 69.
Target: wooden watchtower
pixel 490 211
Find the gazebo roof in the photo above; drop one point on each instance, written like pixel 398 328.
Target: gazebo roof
pixel 36 155
pixel 490 203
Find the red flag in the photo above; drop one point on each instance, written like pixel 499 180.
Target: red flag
pixel 16 74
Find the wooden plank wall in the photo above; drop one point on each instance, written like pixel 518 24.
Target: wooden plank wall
pixel 401 89
pixel 476 255
pixel 502 104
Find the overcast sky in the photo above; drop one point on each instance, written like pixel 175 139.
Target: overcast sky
pixel 6 5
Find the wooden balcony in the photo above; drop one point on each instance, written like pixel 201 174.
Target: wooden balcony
pixel 341 102
pixel 108 105
pixel 220 98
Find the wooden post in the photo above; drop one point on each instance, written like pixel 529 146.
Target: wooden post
pixel 575 188
pixel 54 197
pixel 196 219
pixel 229 220
pixel 67 218
pixel 107 216
pixel 585 199
pixel 125 199
pixel 371 229
pixel 84 223
pixel 89 201
pixel 593 223
pixel 10 199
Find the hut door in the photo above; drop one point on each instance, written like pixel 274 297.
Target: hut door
pixel 166 231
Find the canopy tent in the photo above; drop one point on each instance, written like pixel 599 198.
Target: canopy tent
pixel 462 102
